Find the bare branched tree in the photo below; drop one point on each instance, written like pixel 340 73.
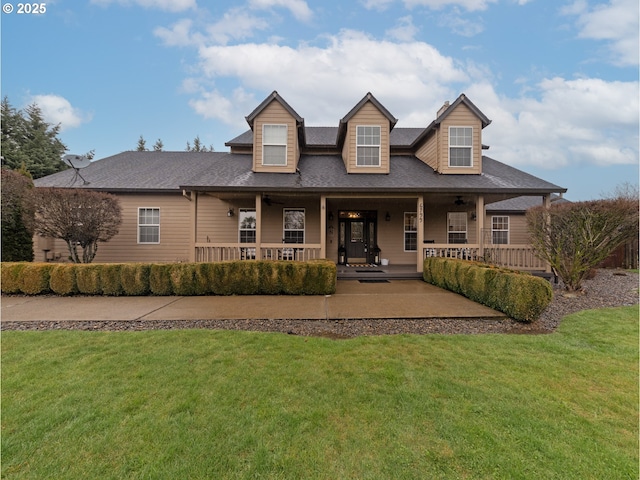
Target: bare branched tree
pixel 576 237
pixel 81 218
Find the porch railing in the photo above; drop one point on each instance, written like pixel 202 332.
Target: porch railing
pixel 220 252
pixel 518 257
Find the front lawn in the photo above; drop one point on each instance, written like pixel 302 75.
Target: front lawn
pixel 214 404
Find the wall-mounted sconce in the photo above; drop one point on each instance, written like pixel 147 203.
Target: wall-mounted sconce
pixel 473 215
pixel 331 216
pixel 230 213
pixel 387 217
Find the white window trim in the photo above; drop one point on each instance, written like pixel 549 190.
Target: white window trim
pixel 148 225
pixel 284 217
pixel 508 230
pixel 405 231
pixel 466 225
pixel 460 146
pixel 379 146
pixel 285 144
pixel 240 230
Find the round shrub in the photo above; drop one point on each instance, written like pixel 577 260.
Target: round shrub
pixel 160 279
pixel 35 278
pixel 63 279
pixel 11 276
pixel 134 278
pixel 110 279
pixel 88 279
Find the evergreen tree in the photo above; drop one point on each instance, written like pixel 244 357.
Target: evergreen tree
pixel 158 146
pixel 142 145
pixel 29 141
pixel 17 216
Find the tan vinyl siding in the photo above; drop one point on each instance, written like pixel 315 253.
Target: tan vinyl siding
pixel 428 152
pixel 461 117
pixel 276 114
pixel 518 231
pixel 367 115
pixel 436 223
pixel 175 231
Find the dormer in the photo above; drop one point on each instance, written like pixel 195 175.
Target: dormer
pixel 363 136
pixel 278 132
pixel 452 144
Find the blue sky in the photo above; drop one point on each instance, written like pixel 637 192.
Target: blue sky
pixel 558 79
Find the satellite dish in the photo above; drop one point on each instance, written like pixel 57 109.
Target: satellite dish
pixel 76 161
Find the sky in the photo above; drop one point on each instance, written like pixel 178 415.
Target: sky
pixel 558 78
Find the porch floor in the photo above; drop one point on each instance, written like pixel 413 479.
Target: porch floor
pixel 377 272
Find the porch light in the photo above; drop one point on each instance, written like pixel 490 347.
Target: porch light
pixel 230 213
pixel 387 217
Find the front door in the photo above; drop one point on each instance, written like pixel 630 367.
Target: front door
pixel 358 235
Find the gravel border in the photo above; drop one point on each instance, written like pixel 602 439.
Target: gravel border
pixel 609 288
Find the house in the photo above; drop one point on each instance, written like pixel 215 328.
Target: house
pixel 363 192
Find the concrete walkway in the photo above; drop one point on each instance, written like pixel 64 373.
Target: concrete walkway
pixel 352 300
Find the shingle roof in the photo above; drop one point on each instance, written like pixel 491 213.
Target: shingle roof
pixel 521 204
pixel 217 171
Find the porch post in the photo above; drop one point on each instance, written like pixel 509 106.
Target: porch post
pixel 420 239
pixel 258 226
pixel 480 214
pixel 323 226
pixel 193 234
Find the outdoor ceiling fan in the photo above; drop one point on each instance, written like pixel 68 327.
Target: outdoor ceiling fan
pixel 459 201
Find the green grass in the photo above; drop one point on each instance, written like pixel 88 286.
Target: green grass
pixel 212 404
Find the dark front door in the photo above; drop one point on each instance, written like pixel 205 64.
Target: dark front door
pixel 358 235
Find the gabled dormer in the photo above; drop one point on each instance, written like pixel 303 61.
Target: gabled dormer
pixel 278 132
pixel 452 144
pixel 363 137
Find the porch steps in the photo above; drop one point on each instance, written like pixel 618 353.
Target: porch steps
pixel 377 272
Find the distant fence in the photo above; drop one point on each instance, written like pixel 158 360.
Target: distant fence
pixel 625 256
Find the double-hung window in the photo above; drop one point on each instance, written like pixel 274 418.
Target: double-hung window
pixel 457 227
pixel 460 146
pixel 274 144
pixel 247 225
pixel 500 230
pixel 368 146
pixel 410 232
pixel 293 225
pixel 148 225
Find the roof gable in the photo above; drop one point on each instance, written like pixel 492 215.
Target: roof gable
pixel 274 97
pixel 469 104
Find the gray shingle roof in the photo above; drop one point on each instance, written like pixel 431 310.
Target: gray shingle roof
pixel 521 204
pixel 217 171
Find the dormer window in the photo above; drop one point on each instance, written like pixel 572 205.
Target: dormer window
pixel 460 146
pixel 368 146
pixel 274 144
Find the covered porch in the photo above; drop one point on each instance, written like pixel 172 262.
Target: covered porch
pixel 392 232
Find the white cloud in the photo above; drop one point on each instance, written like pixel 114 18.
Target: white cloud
pixel 169 5
pixel 470 5
pixel 459 25
pixel 573 122
pixel 298 8
pixel 404 31
pixel 58 110
pixel 616 22
pixel 343 70
pixel 179 34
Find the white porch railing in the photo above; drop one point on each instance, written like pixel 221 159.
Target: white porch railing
pixel 518 257
pixel 220 252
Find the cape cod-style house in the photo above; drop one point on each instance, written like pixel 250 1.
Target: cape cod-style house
pixel 360 193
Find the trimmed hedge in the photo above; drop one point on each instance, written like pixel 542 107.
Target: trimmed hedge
pixel 520 295
pixel 316 277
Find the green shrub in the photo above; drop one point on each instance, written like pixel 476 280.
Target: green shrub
pixel 160 279
pixel 224 278
pixel 134 278
pixel 63 279
pixel 35 278
pixel 11 279
pixel 110 279
pixel 521 296
pixel 88 279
